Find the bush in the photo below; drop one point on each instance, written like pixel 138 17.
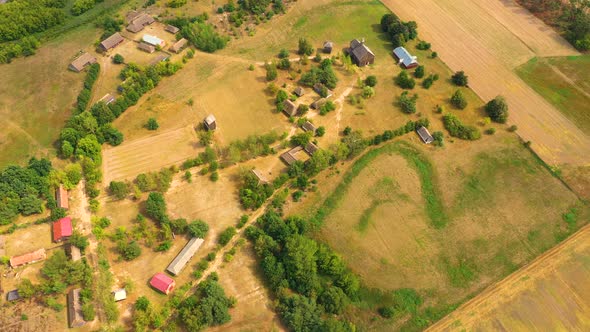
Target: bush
pixel 305 48
pixel 119 189
pixel 283 53
pixel 371 80
pixel 458 100
pixel 386 312
pixel 152 124
pixel 419 72
pixel 367 92
pixel 271 72
pixel 434 55
pixel 243 221
pixel 226 235
pixel 457 129
pixel 156 207
pixel 497 109
pixel 327 107
pixel 512 128
pixel 118 59
pixel 404 81
pixel 427 83
pixel 490 131
pixel 460 79
pixel 204 36
pixel 214 176
pixel 321 131
pixel 88 312
pixel 198 228
pixel 422 45
pixel 438 138
pixel 407 103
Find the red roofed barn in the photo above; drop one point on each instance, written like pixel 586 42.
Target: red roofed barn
pixel 162 282
pixel 62 229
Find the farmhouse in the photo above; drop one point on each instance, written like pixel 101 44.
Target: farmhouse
pixel 184 256
pixel 153 40
pixel 360 53
pixel 308 126
pixel 81 62
pixel 146 47
pixel 261 178
pixel 75 309
pixel 61 196
pixel 289 108
pixel 172 29
pixel 108 98
pixel 62 229
pixel 29 258
pixel 210 122
pixel 289 156
pixel 179 45
pixel 12 295
pixel 299 91
pixel 405 58
pixel 328 46
pixel 162 283
pixel 311 148
pixel 111 42
pixel 425 135
pixel 119 294
pixel 138 21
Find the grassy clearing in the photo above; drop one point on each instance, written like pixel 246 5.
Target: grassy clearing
pixel 564 82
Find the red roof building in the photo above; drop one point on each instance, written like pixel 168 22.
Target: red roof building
pixel 62 229
pixel 29 258
pixel 163 283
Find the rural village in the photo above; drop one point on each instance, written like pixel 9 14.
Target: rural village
pixel 295 165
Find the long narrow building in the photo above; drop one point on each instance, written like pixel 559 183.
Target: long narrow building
pixel 184 256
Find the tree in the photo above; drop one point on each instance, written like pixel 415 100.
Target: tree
pixel 458 100
pixel 209 306
pixel 404 81
pixel 367 92
pixel 204 36
pixel 283 53
pixel 371 80
pixel 198 228
pixel 459 78
pixel 271 72
pixel 26 289
pixel 497 109
pixel 305 48
pixel 118 59
pixel 214 176
pixel 79 241
pixel 333 300
pixel 89 147
pixel 407 103
pixel 129 250
pixel 152 124
pixel 88 312
pixel 419 72
pixel 320 131
pixel 119 189
pixel 156 207
pixel 66 149
pixel 355 143
pixel 302 109
pixel 226 235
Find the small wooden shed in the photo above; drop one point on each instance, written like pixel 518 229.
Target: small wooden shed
pixel 210 122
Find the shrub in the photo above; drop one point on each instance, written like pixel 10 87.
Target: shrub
pixel 386 312
pixel 152 124
pixel 438 138
pixel 321 131
pixel 243 221
pixel 367 92
pixel 226 235
pixel 512 128
pixel 458 100
pixel 119 189
pixel 490 131
pixel 118 59
pixel 497 109
pixel 283 54
pixel 434 55
pixel 457 129
pixel 460 79
pixel 305 48
pixel 404 81
pixel 371 80
pixel 198 228
pixel 419 72
pixel 422 45
pixel 214 176
pixel 407 103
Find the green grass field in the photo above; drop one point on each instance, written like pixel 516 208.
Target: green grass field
pixel 564 82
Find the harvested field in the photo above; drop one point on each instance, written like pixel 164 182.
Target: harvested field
pixel 489 39
pixel 149 154
pixel 551 293
pixel 253 311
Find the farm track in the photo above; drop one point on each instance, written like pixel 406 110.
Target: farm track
pixel 475 309
pixel 488 39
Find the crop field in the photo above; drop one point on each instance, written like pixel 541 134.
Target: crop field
pixel 36 96
pixel 551 293
pixel 491 38
pixel 564 82
pixel 149 154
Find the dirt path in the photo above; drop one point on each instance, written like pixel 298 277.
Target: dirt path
pixel 476 310
pixel 488 39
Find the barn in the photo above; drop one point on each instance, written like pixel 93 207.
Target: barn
pixel 405 58
pixel 425 135
pixel 360 54
pixel 138 21
pixel 153 40
pixel 29 258
pixel 111 42
pixel 81 62
pixel 179 45
pixel 184 256
pixel 162 283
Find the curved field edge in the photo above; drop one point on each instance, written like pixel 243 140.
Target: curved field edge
pixel 418 162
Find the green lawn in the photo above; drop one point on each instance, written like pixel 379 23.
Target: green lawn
pixel 571 96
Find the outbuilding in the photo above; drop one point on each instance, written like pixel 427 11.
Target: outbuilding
pixel 162 283
pixel 153 40
pixel 425 135
pixel 138 21
pixel 308 126
pixel 405 58
pixel 289 108
pixel 299 91
pixel 320 87
pixel 146 47
pixel 29 258
pixel 12 295
pixel 184 256
pixel 84 60
pixel 210 122
pixel 258 174
pixel 120 294
pixel 328 46
pixel 61 196
pixel 62 229
pixel 172 29
pixel 179 45
pixel 318 103
pixel 311 148
pixel 111 42
pixel 75 318
pixel 360 54
pixel 289 157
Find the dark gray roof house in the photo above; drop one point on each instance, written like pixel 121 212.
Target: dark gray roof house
pixel 328 46
pixel 360 54
pixel 289 108
pixel 12 295
pixel 184 256
pixel 75 309
pixel 86 59
pixel 210 122
pixel 425 135
pixel 111 42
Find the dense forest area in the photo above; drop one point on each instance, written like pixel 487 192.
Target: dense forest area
pixel 572 17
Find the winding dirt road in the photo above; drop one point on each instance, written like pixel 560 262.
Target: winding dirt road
pixel 488 39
